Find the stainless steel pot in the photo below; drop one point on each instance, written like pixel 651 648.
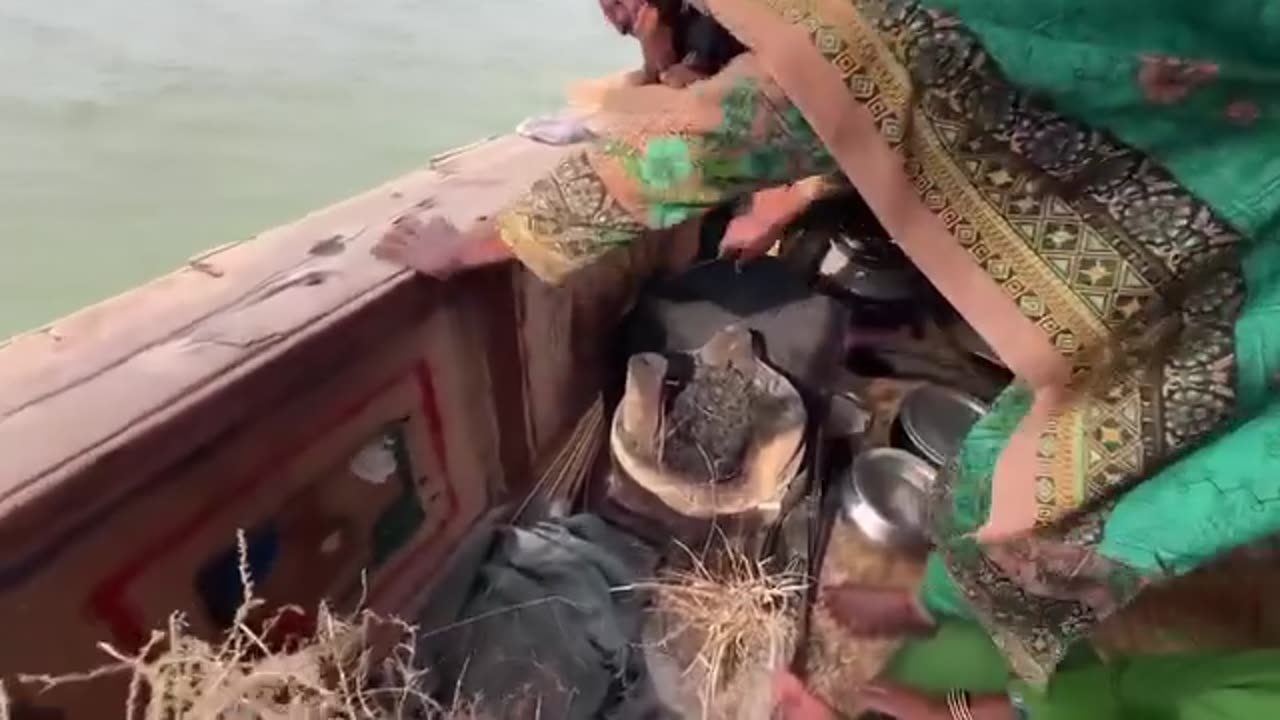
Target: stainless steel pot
pixel 886 496
pixel 934 420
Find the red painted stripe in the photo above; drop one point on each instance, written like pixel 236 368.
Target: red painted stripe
pixel 431 410
pixel 435 430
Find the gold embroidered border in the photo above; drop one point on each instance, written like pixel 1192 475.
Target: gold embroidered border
pixel 876 76
pixel 516 232
pixel 567 221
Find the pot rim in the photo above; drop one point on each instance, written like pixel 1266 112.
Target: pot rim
pixel 874 521
pixel 908 423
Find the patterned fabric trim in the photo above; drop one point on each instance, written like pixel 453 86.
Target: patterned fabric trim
pixel 1134 280
pixel 568 220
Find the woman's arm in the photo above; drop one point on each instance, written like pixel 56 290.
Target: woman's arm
pixel 664 156
pixel 657 45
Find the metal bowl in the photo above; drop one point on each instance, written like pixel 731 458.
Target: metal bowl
pixel 887 495
pixel 934 420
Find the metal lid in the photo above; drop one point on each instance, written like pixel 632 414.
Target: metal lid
pixel 936 420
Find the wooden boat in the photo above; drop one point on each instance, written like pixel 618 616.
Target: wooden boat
pixel 346 415
pixel 353 420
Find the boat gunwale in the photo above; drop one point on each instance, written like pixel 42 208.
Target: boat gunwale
pixel 239 319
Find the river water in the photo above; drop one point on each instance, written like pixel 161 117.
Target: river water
pixel 135 133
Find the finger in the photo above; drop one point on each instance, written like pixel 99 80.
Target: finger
pixel 735 244
pixel 878 698
pixel 407 225
pixel 440 224
pixel 738 230
pixel 385 250
pixel 755 251
pixel 795 702
pixel 784 686
pixel 394 237
pixel 742 252
pixel 746 230
pixel 892 700
pixel 875 690
pixel 646 21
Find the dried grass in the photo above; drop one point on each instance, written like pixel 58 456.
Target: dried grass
pixel 729 619
pixel 331 675
pixel 730 622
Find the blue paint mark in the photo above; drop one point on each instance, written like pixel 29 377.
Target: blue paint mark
pixel 218 581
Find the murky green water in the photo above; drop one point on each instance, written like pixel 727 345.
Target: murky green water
pixel 134 133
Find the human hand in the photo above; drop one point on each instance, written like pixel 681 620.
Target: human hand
pixel 793 701
pixel 433 248
pixel 902 703
pixel 750 235
pixel 656 41
pixel 680 76
pixel 906 704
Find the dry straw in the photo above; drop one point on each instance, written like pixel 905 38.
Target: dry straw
pixel 731 618
pixel 331 675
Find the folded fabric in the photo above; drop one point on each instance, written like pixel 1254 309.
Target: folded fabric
pixel 562 129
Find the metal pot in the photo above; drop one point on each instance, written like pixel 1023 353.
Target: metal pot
pixel 934 420
pixel 872 276
pixel 872 268
pixel 886 496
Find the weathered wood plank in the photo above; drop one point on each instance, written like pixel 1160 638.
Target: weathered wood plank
pixel 74 390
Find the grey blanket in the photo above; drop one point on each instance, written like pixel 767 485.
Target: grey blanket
pixel 547 626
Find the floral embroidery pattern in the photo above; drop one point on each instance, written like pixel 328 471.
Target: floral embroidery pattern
pixel 666 163
pixel 754 144
pixel 1243 112
pixel 739 110
pixel 669 215
pixel 1168 80
pixel 567 220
